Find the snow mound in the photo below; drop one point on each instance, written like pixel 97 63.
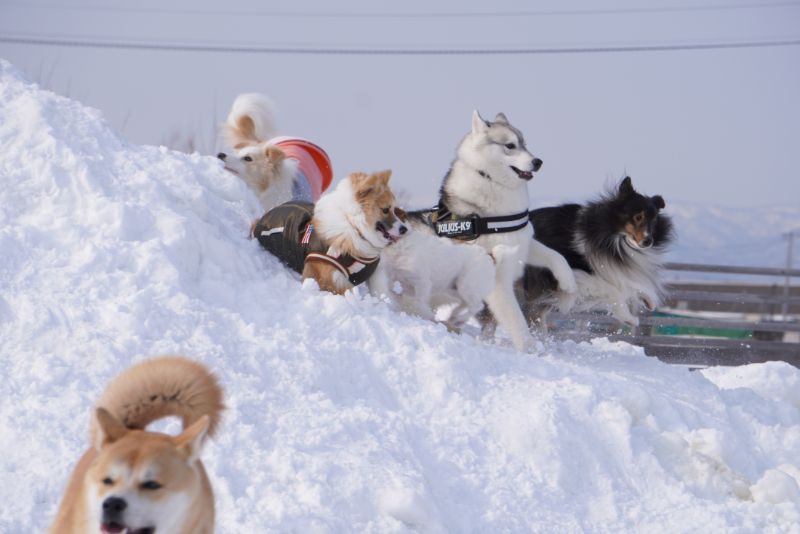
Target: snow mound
pixel 344 416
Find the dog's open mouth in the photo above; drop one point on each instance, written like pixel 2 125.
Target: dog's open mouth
pixel 117 528
pixel 525 175
pixel 380 227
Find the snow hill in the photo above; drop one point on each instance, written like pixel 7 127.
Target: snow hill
pixel 344 416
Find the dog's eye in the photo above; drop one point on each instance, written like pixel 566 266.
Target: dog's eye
pixel 385 210
pixel 107 481
pixel 638 218
pixel 247 158
pixel 150 485
pixel 511 146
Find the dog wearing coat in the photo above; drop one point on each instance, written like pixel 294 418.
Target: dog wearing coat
pixel 338 241
pixel 276 169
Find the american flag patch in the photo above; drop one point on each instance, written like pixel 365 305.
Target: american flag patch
pixel 307 235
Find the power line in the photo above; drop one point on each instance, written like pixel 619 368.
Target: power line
pixel 334 50
pixel 402 14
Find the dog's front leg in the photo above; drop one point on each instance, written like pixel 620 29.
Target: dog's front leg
pixel 504 306
pixel 422 298
pixel 540 255
pixel 379 283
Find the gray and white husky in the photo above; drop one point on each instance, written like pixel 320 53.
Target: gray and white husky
pixel 489 178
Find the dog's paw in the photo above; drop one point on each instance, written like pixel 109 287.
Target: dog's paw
pixel 647 302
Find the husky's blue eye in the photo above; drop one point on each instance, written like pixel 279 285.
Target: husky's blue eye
pixel 511 146
pixel 150 485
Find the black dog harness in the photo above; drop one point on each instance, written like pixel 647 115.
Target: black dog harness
pixel 287 232
pixel 468 228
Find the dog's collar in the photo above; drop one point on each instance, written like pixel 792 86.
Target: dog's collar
pixel 471 227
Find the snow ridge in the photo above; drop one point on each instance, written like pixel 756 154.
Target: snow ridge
pixel 344 416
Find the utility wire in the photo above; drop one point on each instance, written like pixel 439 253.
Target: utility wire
pixel 401 14
pixel 334 50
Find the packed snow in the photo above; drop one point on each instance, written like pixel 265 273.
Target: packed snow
pixel 343 414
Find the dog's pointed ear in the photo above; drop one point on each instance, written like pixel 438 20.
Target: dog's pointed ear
pixel 382 177
pixel 275 155
pixel 659 201
pixel 626 187
pixel 190 441
pixel 478 124
pixel 501 118
pixel 109 428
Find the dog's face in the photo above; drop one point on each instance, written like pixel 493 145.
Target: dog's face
pixel 143 482
pixel 376 201
pixel 638 215
pixel 498 149
pixel 258 165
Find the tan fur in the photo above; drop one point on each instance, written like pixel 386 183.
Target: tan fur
pixel 325 275
pixel 166 386
pixel 373 195
pixel 244 132
pixel 636 228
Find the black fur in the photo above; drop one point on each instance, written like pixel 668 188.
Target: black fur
pixel 600 224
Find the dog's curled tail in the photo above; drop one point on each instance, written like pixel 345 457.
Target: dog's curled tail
pixel 251 120
pixel 161 387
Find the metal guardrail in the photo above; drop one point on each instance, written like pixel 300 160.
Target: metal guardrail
pixel 763 338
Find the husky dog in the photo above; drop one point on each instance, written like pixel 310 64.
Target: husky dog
pixel 614 245
pixel 486 190
pixel 276 169
pixel 132 481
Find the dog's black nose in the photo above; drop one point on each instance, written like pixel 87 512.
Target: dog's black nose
pixel 113 507
pixel 647 242
pixel 222 156
pixel 537 164
pixel 403 230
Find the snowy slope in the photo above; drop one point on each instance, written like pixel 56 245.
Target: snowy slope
pixel 343 415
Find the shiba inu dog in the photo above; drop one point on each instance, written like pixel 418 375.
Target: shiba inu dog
pixel 132 481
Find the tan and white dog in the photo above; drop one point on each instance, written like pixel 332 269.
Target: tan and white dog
pixel 276 169
pixel 132 481
pixel 338 241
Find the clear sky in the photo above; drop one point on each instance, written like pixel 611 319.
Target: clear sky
pixel 704 126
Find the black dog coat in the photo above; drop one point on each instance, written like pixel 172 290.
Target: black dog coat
pixel 287 232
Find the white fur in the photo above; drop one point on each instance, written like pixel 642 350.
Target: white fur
pixel 429 267
pixel 340 214
pixel 619 289
pixel 261 110
pixel 167 515
pixel 504 194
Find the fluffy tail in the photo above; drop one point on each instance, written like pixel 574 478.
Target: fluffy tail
pixel 251 120
pixel 161 387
